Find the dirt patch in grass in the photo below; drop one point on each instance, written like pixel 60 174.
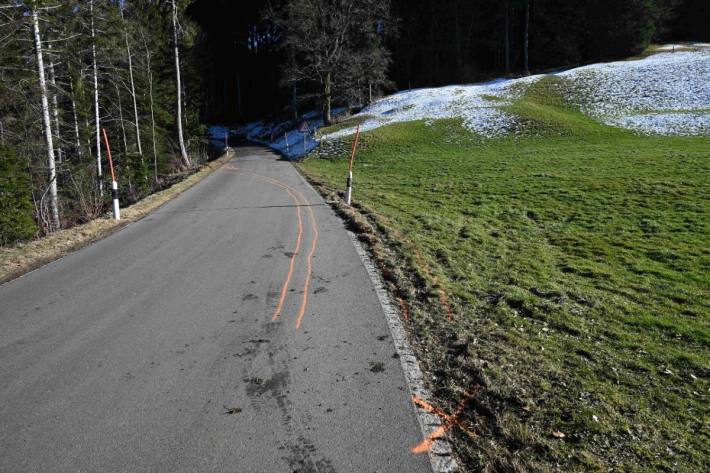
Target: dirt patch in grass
pixel 19 259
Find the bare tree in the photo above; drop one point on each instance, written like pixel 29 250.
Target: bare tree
pixel 55 104
pixel 97 117
pixel 77 136
pixel 133 86
pixel 176 49
pixel 149 78
pixel 332 44
pixel 53 204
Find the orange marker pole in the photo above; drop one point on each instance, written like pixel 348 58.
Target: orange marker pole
pixel 114 184
pixel 349 194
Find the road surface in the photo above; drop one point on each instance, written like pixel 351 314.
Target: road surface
pixel 172 345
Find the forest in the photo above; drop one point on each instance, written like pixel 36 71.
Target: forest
pixel 72 69
pixel 432 43
pixel 154 73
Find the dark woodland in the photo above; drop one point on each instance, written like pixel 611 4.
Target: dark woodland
pixel 442 42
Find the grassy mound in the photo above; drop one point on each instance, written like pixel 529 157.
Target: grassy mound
pixel 575 259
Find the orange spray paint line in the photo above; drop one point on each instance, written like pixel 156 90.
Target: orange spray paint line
pixel 309 270
pixel 297 197
pixel 284 288
pixel 449 421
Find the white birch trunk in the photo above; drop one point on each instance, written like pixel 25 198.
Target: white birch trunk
pixel 53 205
pixel 181 140
pixel 133 88
pixel 152 118
pixel 77 137
pixel 55 106
pixel 120 118
pixel 97 118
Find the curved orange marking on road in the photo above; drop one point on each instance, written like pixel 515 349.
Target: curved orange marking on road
pixel 299 238
pixel 314 242
pixel 309 265
pixel 287 282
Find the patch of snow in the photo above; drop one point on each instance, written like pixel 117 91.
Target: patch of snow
pixel 666 123
pixel 292 143
pixel 217 132
pixel 621 93
pixel 625 93
pixel 479 105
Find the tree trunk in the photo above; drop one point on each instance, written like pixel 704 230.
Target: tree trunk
pixel 55 105
pixel 152 112
pixel 53 205
pixel 77 136
pixel 133 88
pixel 120 119
pixel 507 36
pixel 181 140
pixel 97 118
pixel 526 63
pixel 327 95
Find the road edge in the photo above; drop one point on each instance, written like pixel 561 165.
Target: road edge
pixel 20 260
pixel 441 453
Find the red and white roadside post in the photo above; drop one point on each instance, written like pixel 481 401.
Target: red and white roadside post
pixel 114 184
pixel 349 193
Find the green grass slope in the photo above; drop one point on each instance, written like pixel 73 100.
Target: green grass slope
pixel 576 259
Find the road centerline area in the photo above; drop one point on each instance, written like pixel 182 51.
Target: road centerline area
pixel 155 349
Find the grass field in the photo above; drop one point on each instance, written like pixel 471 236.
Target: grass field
pixel 575 258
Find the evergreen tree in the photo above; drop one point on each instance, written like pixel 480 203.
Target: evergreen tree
pixel 16 222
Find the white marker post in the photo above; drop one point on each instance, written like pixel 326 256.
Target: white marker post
pixel 349 193
pixel 286 138
pixel 114 184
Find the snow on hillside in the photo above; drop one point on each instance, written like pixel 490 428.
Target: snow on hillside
pixel 665 93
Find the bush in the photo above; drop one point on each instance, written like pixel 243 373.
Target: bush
pixel 16 222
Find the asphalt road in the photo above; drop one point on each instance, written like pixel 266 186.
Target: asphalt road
pixel 130 354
